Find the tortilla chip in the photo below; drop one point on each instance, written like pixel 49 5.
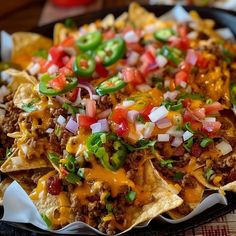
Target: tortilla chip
pixel 19 78
pixel 3 186
pixel 108 21
pixel 229 187
pixel 163 198
pixel 25 44
pixel 55 207
pixel 139 16
pixel 16 162
pixel 24 95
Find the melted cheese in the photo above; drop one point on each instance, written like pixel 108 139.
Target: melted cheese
pixel 41 186
pixel 115 179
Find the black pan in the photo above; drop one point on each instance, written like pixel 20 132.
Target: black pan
pixel 222 18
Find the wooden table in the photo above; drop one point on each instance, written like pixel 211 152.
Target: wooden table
pixel 24 15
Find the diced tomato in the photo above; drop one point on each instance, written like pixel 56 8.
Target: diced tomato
pixel 119 114
pixel 57 54
pixel 186 102
pixel 45 66
pixel 90 108
pixel 211 127
pixel 181 43
pixel 213 108
pixel 147 59
pixel 58 82
pixel 135 47
pixel 70 63
pixel 202 62
pixel 182 30
pixel 181 76
pixel 132 75
pixel 122 128
pixel 146 111
pixel 54 185
pixel 85 121
pixel 199 113
pixel 101 70
pixel 108 35
pixel 188 116
pixel 73 94
pixel 68 42
pixel 185 67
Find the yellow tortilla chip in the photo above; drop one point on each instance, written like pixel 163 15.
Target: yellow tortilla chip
pixel 24 46
pixel 19 78
pixel 139 16
pixel 3 186
pixel 17 162
pixel 55 207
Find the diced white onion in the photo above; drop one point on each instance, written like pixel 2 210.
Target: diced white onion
pixel 131 37
pixel 187 135
pixel 148 129
pixel 139 127
pixel 133 58
pixel 158 114
pixel 24 149
pixel 72 126
pixel 143 88
pixel 163 123
pixel 188 89
pixel 150 28
pixel 191 57
pixel 61 120
pixel 128 103
pixel 163 137
pixel 183 84
pixel 192 35
pixel 224 147
pixel 167 83
pixel 53 69
pixel 132 115
pixel 171 95
pixel 174 132
pixel 34 69
pixel 96 127
pixel 4 91
pixel 104 123
pixel 161 61
pixel 210 119
pixel 177 142
pixel 49 130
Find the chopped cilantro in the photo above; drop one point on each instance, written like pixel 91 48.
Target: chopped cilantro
pixel 71 109
pixel 188 144
pixel 130 196
pixel 109 207
pixel 140 119
pixel 8 152
pixel 178 176
pixel 72 178
pixel 167 163
pixel 28 107
pixel 70 23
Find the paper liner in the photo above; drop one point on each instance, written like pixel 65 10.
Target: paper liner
pixel 19 208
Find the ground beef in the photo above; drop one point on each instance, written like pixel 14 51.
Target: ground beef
pixel 181 161
pixel 184 209
pixel 107 227
pixel 188 181
pixel 104 103
pixel 10 122
pixel 196 149
pixel 231 176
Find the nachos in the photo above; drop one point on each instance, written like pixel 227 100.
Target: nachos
pixel 120 120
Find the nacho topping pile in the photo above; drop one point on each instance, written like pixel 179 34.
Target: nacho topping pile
pixel 120 120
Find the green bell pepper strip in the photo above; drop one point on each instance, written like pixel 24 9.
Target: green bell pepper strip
pixel 46 90
pixel 89 41
pixel 114 162
pixel 163 35
pixel 111 85
pixel 84 65
pixel 111 51
pixel 233 93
